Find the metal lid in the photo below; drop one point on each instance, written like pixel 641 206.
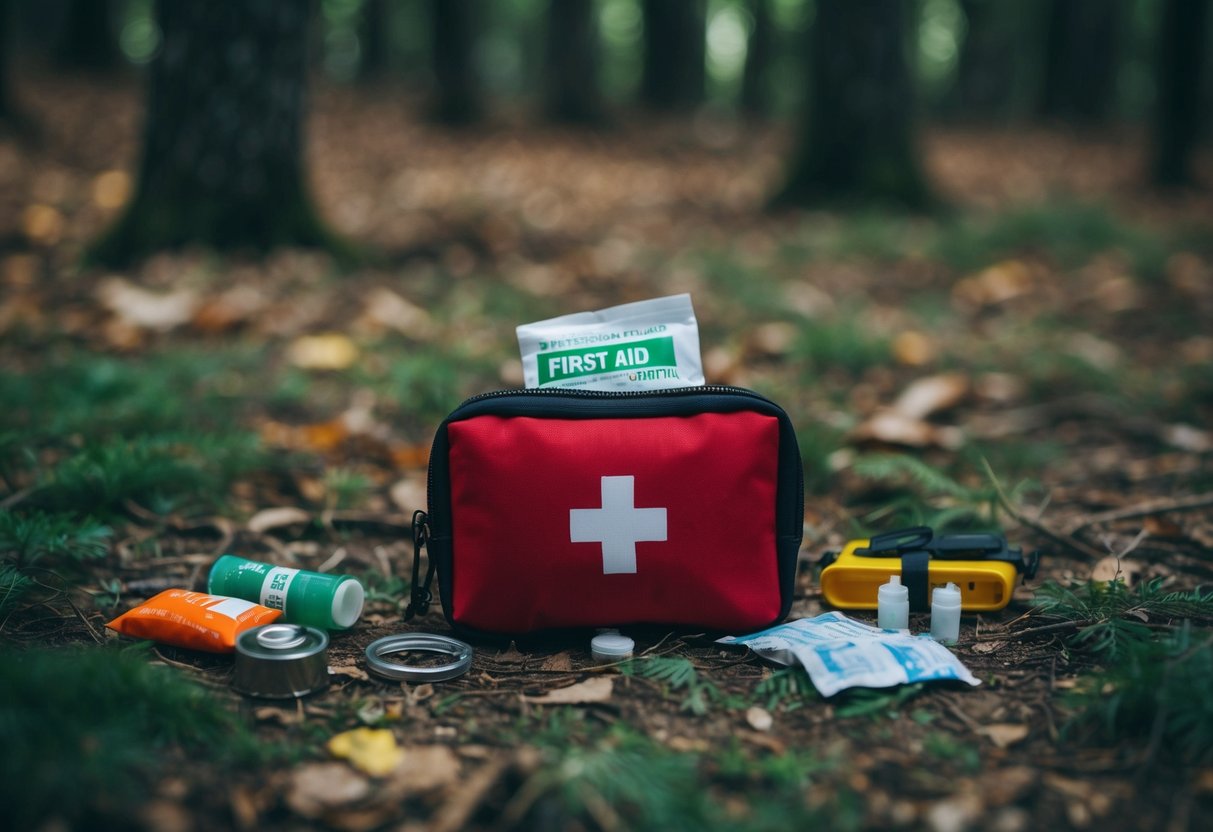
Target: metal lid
pixel 281 661
pixel 282 642
pixel 460 652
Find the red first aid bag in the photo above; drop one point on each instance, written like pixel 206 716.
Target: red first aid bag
pixel 579 508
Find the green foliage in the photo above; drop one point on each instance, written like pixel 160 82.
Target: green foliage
pixel 13 587
pixel 346 488
pixel 924 495
pixel 1070 234
pixel 163 472
pixel 949 750
pixel 1114 619
pixel 624 780
pixel 27 537
pixel 677 673
pixel 788 688
pixel 85 731
pixel 876 702
pixel 1155 690
pixel 842 343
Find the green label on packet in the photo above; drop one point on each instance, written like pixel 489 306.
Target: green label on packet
pixel 640 357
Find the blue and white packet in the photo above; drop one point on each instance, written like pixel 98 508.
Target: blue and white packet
pixel 840 653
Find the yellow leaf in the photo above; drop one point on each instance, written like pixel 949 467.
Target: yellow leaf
pixel 913 348
pixel 370 750
pixel 111 189
pixel 331 351
pixel 43 224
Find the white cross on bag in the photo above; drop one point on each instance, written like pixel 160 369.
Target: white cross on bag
pixel 618 525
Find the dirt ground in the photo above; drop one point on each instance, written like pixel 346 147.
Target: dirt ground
pixel 570 220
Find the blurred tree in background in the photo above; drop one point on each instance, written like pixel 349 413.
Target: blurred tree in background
pixel 759 48
pixel 1080 60
pixel 571 94
pixel 86 41
pixel 220 142
pixel 223 142
pixel 673 76
pixel 1182 47
pixel 457 97
pixel 857 143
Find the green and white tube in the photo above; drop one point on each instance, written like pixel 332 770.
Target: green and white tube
pixel 331 602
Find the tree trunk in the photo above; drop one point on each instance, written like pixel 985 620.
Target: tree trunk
pixel 86 41
pixel 755 98
pixel 858 141
pixel 372 39
pixel 674 52
pixel 223 140
pixel 571 93
pixel 457 92
pixel 6 102
pixel 1177 115
pixel 985 78
pixel 1081 47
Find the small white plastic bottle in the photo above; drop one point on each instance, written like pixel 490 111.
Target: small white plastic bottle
pixel 893 605
pixel 945 613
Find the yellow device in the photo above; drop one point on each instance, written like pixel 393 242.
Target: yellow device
pixel 982 565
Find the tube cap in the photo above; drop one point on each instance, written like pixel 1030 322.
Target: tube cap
pixel 611 647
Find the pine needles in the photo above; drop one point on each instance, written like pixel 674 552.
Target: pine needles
pixel 1155 664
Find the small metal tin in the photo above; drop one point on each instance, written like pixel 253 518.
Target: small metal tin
pixel 459 651
pixel 281 661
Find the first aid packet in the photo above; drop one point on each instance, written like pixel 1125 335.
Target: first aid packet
pixel 839 653
pixel 646 345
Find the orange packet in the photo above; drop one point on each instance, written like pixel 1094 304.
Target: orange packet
pixel 193 619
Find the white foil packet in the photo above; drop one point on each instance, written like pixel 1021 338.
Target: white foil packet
pixel 840 653
pixel 647 345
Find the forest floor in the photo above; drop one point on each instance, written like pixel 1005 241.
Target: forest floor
pixel 1036 360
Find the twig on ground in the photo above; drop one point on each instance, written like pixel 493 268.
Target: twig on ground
pixel 97 637
pixel 1010 508
pixel 1146 509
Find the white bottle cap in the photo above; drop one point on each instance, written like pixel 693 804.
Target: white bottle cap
pixel 893 590
pixel 611 647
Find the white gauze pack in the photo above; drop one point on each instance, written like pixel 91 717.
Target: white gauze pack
pixel 647 345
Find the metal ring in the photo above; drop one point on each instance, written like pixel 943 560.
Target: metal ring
pixel 460 651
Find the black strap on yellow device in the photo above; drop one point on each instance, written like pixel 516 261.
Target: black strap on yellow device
pixel 917 545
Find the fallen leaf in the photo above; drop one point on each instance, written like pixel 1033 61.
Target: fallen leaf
pixel 370 750
pixel 558 663
pixel 888 427
pixel 276 518
pixel 138 307
pixel 1004 734
pixel 43 224
pixel 424 768
pixel 330 351
pixel 385 309
pixel 984 647
pixel 589 692
pixel 773 339
pixel 351 671
pixel 229 309
pixel 759 719
pixel 410 493
pixel 1112 568
pixel 111 189
pixel 913 348
pixel 1157 526
pixel 318 788
pixel 927 396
